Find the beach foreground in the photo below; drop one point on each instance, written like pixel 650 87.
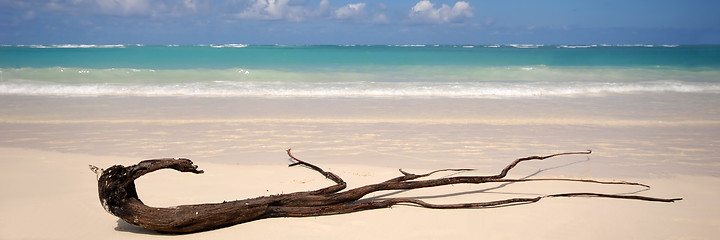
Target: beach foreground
pixel 669 144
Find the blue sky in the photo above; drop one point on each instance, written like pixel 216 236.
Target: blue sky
pixel 359 22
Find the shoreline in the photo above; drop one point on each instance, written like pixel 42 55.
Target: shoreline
pixel 643 108
pixel 648 134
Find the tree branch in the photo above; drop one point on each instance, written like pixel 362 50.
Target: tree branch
pixel 116 189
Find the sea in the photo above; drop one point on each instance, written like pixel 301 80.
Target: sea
pixel 358 71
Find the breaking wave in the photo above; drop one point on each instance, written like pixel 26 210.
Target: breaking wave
pixel 396 82
pixel 353 89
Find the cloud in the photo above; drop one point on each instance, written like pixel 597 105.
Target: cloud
pixel 382 6
pixel 425 12
pixel 153 8
pixel 357 12
pixel 124 7
pixel 264 9
pixel 281 9
pixel 29 15
pixel 107 7
pixel 380 19
pixel 349 11
pixel 293 11
pixel 191 5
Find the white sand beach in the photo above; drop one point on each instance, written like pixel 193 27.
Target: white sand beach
pixel 48 192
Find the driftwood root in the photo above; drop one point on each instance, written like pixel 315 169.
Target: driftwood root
pixel 118 196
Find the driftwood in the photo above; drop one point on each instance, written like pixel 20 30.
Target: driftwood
pixel 118 196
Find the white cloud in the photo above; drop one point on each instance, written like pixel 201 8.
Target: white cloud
pixel 423 6
pixel 281 9
pixel 298 11
pixel 29 15
pixel 382 6
pixel 260 10
pixel 380 18
pixel 126 7
pixel 286 10
pixel 191 5
pixel 489 22
pixel 106 7
pixel 425 12
pixel 349 11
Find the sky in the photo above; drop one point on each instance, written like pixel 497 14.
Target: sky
pixel 316 22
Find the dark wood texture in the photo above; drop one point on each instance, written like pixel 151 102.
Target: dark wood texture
pixel 118 196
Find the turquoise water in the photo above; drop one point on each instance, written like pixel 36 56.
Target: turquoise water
pixel 494 71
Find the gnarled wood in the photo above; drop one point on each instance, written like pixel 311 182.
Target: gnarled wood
pixel 118 196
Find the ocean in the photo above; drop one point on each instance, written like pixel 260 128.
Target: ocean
pixel 352 71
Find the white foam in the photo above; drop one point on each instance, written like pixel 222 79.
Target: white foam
pixel 75 46
pixel 525 45
pixel 462 82
pixel 230 45
pixel 86 46
pixel 577 46
pixel 355 89
pixel 635 45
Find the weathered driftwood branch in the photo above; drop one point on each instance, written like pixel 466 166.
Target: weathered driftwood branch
pixel 118 196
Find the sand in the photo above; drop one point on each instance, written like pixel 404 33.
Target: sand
pixel 48 192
